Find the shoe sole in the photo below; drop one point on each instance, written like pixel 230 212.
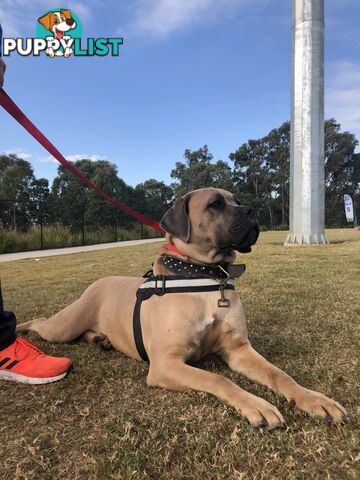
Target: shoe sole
pixel 16 377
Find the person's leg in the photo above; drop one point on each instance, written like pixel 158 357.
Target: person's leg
pixel 7 326
pixel 21 361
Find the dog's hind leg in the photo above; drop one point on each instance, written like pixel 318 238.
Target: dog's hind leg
pixel 97 338
pixel 27 326
pixel 67 325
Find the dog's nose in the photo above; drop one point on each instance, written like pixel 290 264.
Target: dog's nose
pixel 249 212
pixel 69 22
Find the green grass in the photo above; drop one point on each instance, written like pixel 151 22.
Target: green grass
pixel 102 422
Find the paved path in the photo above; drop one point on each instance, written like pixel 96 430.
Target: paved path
pixel 9 257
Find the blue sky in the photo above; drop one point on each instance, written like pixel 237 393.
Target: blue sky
pixel 191 72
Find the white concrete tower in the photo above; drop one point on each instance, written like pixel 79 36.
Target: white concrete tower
pixel 307 188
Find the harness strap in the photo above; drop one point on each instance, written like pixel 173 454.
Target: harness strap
pixel 137 330
pixel 162 284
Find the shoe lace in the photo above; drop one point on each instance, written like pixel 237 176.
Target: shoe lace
pixel 22 344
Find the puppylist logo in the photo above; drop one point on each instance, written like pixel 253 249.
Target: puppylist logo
pixel 58 34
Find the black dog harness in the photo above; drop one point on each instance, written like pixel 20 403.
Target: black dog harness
pixel 188 277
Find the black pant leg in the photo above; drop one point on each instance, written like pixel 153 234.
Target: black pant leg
pixel 7 326
pixel 7 329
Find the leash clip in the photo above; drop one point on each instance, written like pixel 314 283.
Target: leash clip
pixel 223 302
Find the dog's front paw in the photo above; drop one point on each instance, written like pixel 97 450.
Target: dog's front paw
pixel 261 413
pixel 318 405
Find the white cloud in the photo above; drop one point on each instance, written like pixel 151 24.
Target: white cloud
pixel 11 25
pixel 80 156
pixel 73 158
pixel 342 96
pixel 48 159
pixel 19 152
pixel 81 10
pixel 162 17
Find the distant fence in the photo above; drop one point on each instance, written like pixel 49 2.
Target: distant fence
pixel 26 225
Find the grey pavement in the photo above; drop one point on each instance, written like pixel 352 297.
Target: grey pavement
pixel 9 257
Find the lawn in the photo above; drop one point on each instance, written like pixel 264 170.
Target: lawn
pixel 102 422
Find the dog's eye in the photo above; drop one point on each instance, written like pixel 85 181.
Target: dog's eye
pixel 63 18
pixel 56 20
pixel 216 204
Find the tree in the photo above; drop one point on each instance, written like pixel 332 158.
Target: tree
pixel 342 171
pixel 279 162
pixel 156 197
pixel 261 173
pixel 260 177
pixel 78 204
pixel 70 199
pixel 253 178
pixel 99 211
pixel 198 171
pixel 21 194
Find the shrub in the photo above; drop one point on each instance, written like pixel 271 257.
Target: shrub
pixel 58 236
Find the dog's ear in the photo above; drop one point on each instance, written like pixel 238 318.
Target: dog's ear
pixel 46 20
pixel 66 13
pixel 176 220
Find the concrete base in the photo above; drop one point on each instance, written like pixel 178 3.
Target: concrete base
pixel 312 239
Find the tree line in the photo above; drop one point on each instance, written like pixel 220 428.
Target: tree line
pixel 257 172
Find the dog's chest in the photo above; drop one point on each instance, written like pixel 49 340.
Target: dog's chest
pixel 211 318
pixel 206 324
pixel 206 335
pixel 211 329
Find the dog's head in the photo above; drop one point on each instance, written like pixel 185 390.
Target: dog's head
pixel 209 224
pixel 58 22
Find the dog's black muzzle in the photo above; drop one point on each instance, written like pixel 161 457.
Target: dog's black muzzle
pixel 250 239
pixel 243 232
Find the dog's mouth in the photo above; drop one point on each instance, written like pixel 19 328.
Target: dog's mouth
pixel 244 246
pixel 248 241
pixel 59 34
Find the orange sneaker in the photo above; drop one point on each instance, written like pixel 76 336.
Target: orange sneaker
pixel 25 363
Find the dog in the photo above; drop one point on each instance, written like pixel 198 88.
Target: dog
pixel 204 229
pixel 58 23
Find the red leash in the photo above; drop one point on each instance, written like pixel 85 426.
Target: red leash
pixel 15 112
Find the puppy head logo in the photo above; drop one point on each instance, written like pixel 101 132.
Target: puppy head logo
pixel 58 22
pixel 59 26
